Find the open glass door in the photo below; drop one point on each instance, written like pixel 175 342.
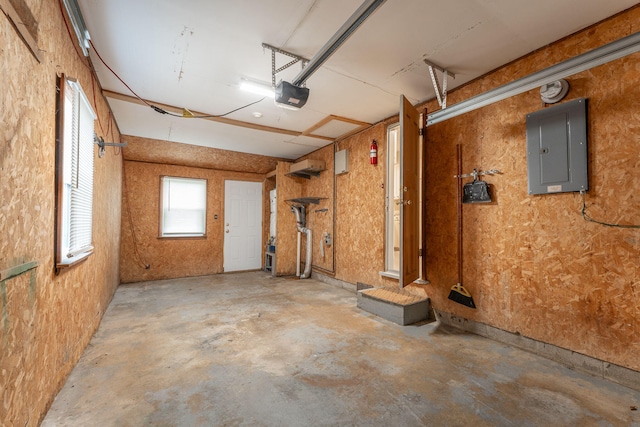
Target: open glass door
pixel 409 193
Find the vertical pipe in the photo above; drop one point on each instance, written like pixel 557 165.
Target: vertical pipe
pixel 298 257
pixel 307 266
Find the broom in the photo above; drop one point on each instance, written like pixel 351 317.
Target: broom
pixel 458 292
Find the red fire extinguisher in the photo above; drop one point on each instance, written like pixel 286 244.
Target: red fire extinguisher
pixel 373 154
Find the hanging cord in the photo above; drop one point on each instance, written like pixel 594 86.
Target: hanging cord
pixel 129 216
pixel 207 116
pixel 95 103
pixel 109 131
pixel 186 113
pixel 117 76
pixel 586 216
pixel 87 63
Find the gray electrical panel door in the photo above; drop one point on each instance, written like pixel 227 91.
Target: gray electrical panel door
pixel 557 148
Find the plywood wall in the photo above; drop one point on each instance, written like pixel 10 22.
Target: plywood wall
pixel 533 265
pixel 286 239
pixel 360 211
pixel 319 216
pixel 165 152
pixel 47 320
pixel 171 257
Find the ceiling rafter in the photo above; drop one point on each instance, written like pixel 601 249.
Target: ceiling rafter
pixel 330 118
pixel 225 120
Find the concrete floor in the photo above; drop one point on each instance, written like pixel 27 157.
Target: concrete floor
pixel 249 349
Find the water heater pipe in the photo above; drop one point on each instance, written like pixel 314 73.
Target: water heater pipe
pixel 302 229
pixel 298 256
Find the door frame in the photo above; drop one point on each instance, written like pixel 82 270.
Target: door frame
pixel 227 266
pixel 410 204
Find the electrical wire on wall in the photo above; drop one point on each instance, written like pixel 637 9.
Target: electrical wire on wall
pixel 109 132
pixel 186 114
pixel 87 63
pixel 586 216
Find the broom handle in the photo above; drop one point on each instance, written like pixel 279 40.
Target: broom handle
pixel 459 206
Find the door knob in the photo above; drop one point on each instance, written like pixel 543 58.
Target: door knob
pixel 227 230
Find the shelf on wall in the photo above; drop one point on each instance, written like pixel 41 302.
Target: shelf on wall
pixel 304 174
pixel 307 200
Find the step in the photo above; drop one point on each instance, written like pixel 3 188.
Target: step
pixel 394 304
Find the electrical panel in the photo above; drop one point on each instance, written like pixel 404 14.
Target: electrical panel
pixel 557 148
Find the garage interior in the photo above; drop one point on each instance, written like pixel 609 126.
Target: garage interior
pixel 552 269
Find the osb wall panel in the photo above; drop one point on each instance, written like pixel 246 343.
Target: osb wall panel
pixel 320 216
pixel 286 230
pixel 47 320
pixel 164 152
pixel 170 257
pixel 533 265
pixel 360 212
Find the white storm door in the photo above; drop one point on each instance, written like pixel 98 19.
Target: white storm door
pixel 243 225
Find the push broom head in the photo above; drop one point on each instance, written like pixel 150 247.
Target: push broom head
pixel 462 296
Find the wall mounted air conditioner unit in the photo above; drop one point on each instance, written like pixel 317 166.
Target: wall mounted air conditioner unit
pixel 308 165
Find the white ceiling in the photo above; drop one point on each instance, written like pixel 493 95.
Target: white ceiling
pixel 194 53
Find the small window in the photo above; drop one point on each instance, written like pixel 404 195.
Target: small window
pixel 184 207
pixel 74 174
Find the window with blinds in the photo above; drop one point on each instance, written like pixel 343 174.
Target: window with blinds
pixel 184 207
pixel 75 174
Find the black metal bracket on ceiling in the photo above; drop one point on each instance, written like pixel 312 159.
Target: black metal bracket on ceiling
pixel 309 66
pixel 583 62
pixel 441 94
pixel 274 70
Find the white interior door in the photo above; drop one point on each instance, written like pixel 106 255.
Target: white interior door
pixel 243 225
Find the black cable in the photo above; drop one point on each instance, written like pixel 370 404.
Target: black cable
pixel 116 75
pixel 226 114
pixel 203 116
pixel 586 217
pixel 162 110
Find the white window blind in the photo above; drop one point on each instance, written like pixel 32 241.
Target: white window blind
pixel 76 201
pixel 184 207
